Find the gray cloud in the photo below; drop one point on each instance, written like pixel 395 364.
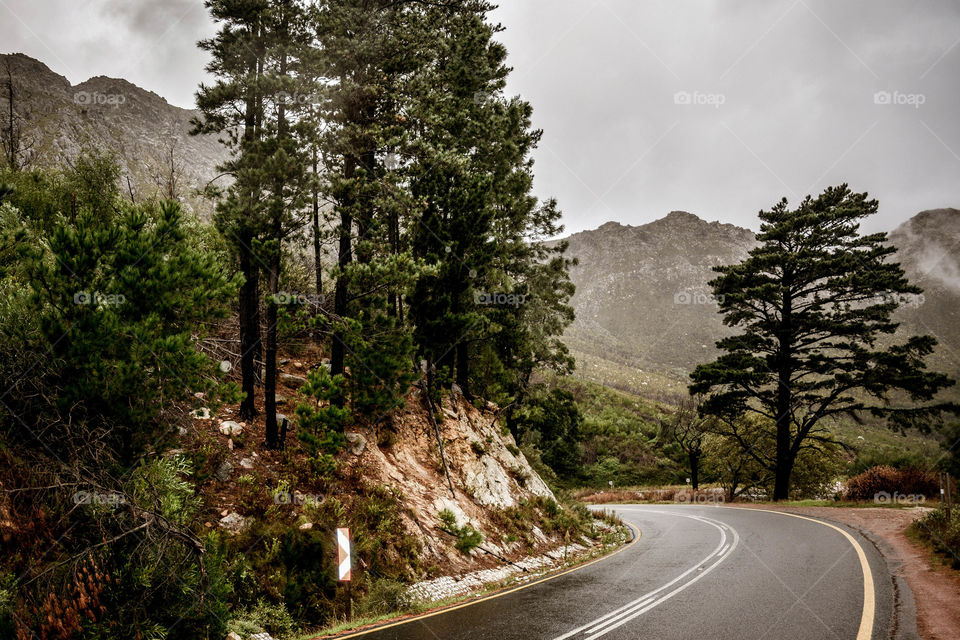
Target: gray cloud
pixel 781 94
pixel 787 92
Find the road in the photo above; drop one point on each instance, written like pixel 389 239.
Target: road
pixel 696 572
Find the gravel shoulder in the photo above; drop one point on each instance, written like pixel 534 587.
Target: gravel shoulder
pixel 936 589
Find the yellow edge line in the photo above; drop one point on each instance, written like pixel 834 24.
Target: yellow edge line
pixel 869 595
pixel 498 594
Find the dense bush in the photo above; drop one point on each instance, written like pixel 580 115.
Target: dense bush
pixel 890 481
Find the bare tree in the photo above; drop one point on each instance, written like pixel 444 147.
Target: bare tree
pixel 15 145
pixel 167 171
pixel 688 429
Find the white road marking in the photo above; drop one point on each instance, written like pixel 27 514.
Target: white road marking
pixel 620 616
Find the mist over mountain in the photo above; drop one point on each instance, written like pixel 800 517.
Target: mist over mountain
pixel 149 136
pixel 645 313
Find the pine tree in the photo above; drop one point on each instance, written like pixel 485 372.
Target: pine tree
pixel 814 304
pixel 234 107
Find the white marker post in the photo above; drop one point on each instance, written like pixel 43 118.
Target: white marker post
pixel 343 562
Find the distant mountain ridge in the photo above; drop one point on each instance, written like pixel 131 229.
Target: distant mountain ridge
pixel 645 313
pixel 149 136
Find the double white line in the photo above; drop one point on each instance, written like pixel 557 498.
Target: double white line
pixel 619 617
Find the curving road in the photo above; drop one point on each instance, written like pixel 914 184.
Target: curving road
pixel 697 572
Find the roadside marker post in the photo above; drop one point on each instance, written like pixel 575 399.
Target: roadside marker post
pixel 344 574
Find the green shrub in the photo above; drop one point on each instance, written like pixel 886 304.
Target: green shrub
pixel 264 617
pixel 467 537
pixel 385 596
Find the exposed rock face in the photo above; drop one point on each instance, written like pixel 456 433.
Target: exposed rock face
pixel 483 482
pixel 108 114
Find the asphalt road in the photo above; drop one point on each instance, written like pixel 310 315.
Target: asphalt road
pixel 696 572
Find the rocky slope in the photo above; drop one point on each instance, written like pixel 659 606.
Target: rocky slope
pixel 642 298
pixel 148 135
pixel 645 313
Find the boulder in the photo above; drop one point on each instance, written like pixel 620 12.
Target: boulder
pixel 247 463
pixel 289 378
pixel 357 443
pixel 230 428
pixel 201 414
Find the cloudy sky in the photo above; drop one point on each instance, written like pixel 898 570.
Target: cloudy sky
pixel 715 107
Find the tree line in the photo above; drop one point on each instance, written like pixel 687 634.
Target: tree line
pixel 381 128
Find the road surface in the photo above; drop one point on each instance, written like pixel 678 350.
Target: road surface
pixel 696 572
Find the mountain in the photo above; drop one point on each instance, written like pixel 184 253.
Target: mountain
pixel 929 250
pixel 646 317
pixel 642 302
pixel 149 136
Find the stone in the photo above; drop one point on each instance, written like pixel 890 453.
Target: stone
pixel 233 522
pixel 292 379
pixel 284 361
pixel 247 463
pixel 261 636
pixel 357 443
pixel 451 414
pixel 230 428
pixel 200 414
pixel 233 636
pixel 306 526
pixel 224 471
pixel 182 431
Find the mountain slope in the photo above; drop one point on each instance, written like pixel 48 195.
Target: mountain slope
pixel 642 297
pixel 149 136
pixel 645 315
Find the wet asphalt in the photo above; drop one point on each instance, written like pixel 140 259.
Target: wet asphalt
pixel 695 572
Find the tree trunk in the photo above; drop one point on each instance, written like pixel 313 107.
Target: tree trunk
pixel 694 468
pixel 270 381
pixel 463 368
pixel 344 258
pixel 276 256
pixel 250 344
pixel 317 264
